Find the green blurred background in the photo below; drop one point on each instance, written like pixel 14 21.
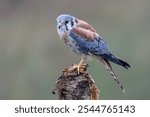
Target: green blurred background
pixel 32 56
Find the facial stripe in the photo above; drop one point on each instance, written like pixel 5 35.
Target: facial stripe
pixel 76 20
pixel 72 23
pixel 66 27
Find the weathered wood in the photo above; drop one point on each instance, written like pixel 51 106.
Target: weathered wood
pixel 72 85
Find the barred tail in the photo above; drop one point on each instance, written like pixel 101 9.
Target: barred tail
pixel 109 68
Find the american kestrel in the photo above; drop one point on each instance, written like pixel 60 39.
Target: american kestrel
pixel 83 39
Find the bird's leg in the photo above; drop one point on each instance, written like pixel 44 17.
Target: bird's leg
pixel 78 66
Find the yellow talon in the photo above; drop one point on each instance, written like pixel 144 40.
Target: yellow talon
pixel 78 66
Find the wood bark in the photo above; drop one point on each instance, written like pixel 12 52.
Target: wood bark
pixel 74 85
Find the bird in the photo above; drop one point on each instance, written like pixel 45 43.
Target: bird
pixel 84 40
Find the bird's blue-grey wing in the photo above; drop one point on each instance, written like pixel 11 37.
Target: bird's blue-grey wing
pixel 95 45
pixel 90 44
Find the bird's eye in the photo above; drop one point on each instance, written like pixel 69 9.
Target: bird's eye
pixel 59 27
pixel 66 22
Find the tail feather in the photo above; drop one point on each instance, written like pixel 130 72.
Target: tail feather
pixel 124 64
pixel 116 60
pixel 109 68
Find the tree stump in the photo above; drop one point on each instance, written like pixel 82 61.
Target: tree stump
pixel 74 85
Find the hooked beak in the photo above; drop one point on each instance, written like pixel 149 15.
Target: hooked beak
pixel 60 25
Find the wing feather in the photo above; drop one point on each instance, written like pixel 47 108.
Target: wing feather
pixel 85 25
pixel 85 34
pixel 91 42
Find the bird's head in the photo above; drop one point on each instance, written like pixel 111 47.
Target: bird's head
pixel 65 23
